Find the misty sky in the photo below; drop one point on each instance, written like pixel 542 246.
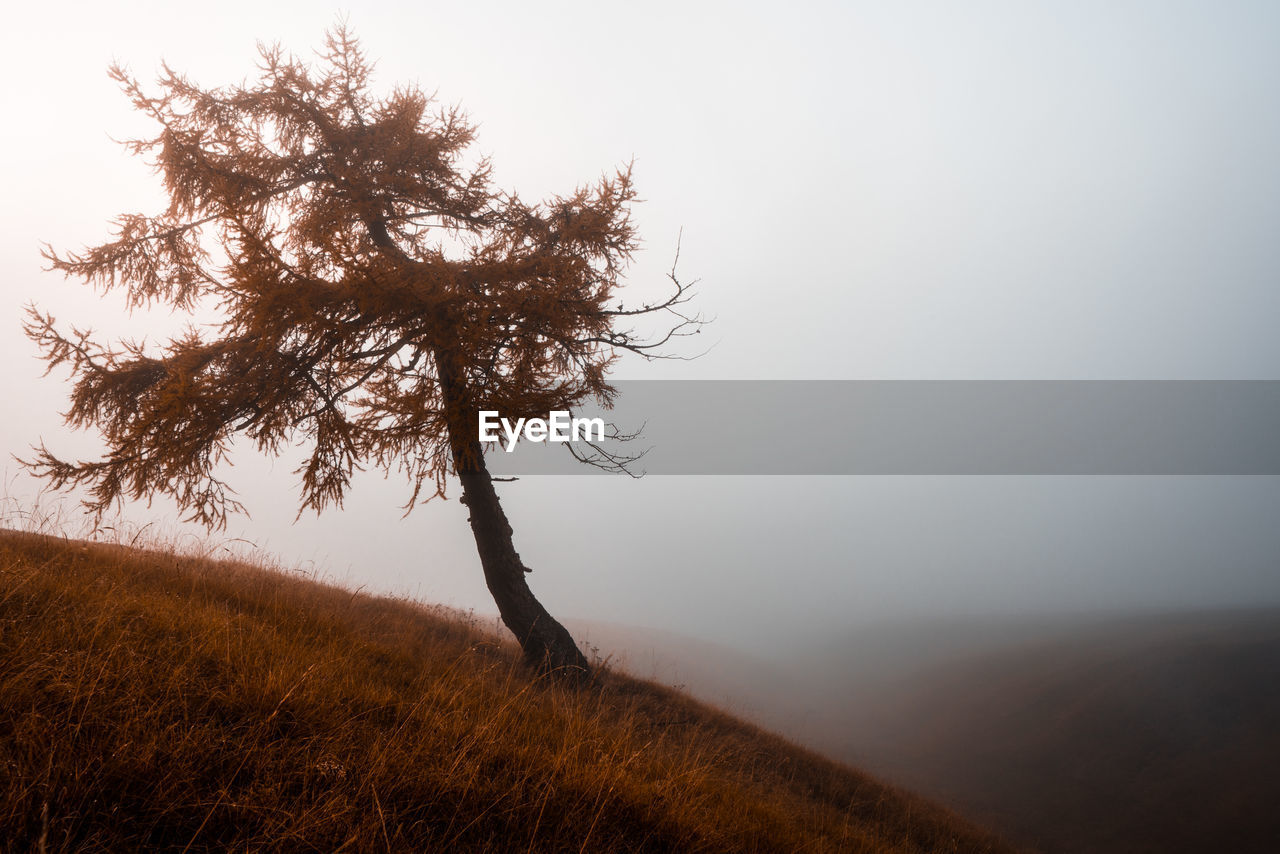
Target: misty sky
pixel 906 190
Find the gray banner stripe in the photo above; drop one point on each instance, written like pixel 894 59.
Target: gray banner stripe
pixel 933 427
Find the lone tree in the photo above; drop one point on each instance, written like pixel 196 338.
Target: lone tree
pixel 375 293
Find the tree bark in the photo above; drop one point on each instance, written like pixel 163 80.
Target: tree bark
pixel 548 647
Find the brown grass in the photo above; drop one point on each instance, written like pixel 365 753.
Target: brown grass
pixel 150 701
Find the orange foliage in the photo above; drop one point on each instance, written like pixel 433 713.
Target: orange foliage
pixel 376 289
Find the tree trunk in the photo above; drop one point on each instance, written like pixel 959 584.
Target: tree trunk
pixel 548 646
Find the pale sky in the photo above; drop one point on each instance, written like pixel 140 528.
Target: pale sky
pixel 906 190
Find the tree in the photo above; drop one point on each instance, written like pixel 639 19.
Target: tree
pixel 375 292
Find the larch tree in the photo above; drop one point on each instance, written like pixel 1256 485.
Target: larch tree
pixel 374 293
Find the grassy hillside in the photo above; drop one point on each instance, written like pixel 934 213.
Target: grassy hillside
pixel 154 702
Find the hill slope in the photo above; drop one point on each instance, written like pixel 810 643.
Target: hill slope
pixel 149 701
pixel 1122 733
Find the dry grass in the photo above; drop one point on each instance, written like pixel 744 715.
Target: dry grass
pixel 150 701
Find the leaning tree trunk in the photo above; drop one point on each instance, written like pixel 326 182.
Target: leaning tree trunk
pixel 547 645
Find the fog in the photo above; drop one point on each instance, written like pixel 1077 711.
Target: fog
pixel 912 190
